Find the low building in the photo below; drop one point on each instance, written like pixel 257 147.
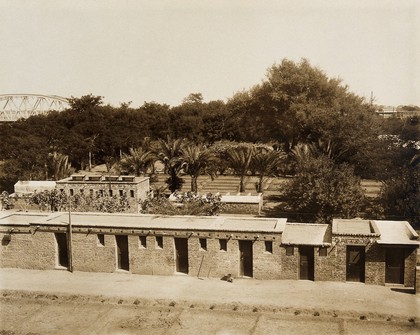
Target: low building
pixel 371 252
pixel 134 188
pixel 29 187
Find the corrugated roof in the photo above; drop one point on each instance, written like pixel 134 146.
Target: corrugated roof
pixel 217 223
pixel 397 233
pixel 305 234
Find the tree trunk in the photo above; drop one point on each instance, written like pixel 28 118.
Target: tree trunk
pixel 241 185
pixel 194 187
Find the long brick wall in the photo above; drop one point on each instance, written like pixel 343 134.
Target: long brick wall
pixel 94 249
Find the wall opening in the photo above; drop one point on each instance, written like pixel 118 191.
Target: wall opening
pixel 181 255
pixel 268 246
pixel 245 259
pixel 223 245
pixel 394 265
pixel 306 263
pixel 355 268
pixel 203 244
pixel 62 249
pixel 122 252
pixel 101 240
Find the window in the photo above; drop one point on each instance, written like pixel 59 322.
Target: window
pixel 71 191
pixel 81 191
pixel 268 246
pixel 223 244
pixel 290 251
pixel 143 242
pixel 110 193
pixel 101 240
pixel 132 193
pixel 203 243
pixel 323 252
pixel 121 193
pixel 101 192
pixel 159 242
pixel 91 193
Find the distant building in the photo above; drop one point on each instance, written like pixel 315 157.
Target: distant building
pixel 29 187
pixel 135 188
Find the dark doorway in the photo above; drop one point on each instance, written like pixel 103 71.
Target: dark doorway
pixel 62 248
pixel 355 270
pixel 123 262
pixel 245 254
pixel 181 255
pixel 306 263
pixel 394 265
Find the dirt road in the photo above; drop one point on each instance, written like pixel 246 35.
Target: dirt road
pixel 59 302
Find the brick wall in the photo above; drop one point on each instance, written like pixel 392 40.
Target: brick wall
pixel 290 264
pixel 417 287
pixel 33 248
pixel 90 255
pixel 410 267
pixel 29 251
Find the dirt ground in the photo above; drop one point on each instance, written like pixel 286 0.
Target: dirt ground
pixel 59 302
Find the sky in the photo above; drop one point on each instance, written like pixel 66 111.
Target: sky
pixel 143 51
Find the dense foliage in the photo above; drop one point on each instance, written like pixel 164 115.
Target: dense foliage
pixel 188 203
pixel 257 131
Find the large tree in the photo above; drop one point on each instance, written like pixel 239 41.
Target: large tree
pixel 197 160
pixel 323 190
pixel 239 159
pixel 169 153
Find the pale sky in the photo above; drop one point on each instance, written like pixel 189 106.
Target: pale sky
pixel 164 50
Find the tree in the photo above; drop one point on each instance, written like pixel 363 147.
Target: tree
pixel 137 161
pixel 239 160
pixel 400 195
pixel 266 163
pixel 170 154
pixel 322 190
pixel 197 160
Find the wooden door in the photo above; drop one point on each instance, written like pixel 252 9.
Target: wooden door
pixel 355 270
pixel 394 265
pixel 245 261
pixel 181 255
pixel 122 252
pixel 306 263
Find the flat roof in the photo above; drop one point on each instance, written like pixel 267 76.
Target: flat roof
pixel 305 234
pixel 353 227
pixel 21 218
pixel 397 233
pixel 145 221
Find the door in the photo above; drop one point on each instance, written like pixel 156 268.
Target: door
pixel 394 265
pixel 245 261
pixel 62 249
pixel 122 252
pixel 355 270
pixel 306 263
pixel 181 255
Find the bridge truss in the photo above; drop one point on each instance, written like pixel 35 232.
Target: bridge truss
pixel 16 106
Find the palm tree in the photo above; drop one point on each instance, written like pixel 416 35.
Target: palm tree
pixel 169 153
pixel 197 160
pixel 239 159
pixel 137 161
pixel 266 163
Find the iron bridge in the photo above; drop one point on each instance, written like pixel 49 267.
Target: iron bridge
pixel 16 106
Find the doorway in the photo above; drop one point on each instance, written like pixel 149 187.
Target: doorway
pixel 122 252
pixel 181 255
pixel 62 249
pixel 394 265
pixel 245 259
pixel 355 260
pixel 306 263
